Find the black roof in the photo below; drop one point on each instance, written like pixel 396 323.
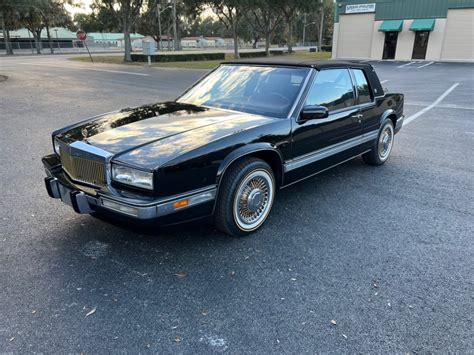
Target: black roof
pixel 317 64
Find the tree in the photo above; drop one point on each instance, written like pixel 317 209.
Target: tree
pixel 9 20
pixel 160 15
pixel 127 13
pixel 248 31
pixel 101 19
pixel 266 18
pixel 291 9
pixel 53 13
pixel 230 13
pixel 31 18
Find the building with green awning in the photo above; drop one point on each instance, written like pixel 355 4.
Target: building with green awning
pixel 424 24
pixel 404 29
pixel 391 25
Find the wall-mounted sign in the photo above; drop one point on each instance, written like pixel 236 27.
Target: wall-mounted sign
pixel 360 8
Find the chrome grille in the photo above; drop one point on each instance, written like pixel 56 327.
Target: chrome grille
pixel 82 169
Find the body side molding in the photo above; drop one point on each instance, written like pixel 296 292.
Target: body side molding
pixel 329 151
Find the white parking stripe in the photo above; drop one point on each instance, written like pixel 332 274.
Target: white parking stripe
pixel 383 81
pixel 426 109
pixel 85 68
pixel 425 65
pixel 405 65
pixel 457 107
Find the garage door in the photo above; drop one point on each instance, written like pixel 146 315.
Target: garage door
pixel 459 38
pixel 355 35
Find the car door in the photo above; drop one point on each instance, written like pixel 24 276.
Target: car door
pixel 369 119
pixel 320 143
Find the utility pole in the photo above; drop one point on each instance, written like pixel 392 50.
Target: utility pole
pixel 159 25
pixel 304 29
pixel 321 26
pixel 158 12
pixel 175 28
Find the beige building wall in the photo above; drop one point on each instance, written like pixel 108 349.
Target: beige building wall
pixel 459 36
pixel 357 36
pixel 406 39
pixel 435 41
pixel 378 41
pixel 335 38
pixel 356 39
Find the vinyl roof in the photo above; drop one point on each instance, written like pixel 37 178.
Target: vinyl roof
pixel 317 64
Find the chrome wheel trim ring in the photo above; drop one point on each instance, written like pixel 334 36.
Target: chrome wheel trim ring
pixel 385 142
pixel 253 200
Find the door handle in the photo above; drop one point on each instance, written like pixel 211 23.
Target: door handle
pixel 358 117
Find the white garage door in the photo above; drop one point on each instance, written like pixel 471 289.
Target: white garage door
pixel 355 35
pixel 459 38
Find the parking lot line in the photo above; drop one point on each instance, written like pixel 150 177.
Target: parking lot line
pixel 425 65
pixel 84 68
pixel 405 65
pixel 458 107
pixel 434 104
pixel 383 81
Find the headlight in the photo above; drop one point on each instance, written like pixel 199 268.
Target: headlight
pixel 133 177
pixel 56 146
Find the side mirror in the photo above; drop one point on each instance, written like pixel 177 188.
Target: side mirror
pixel 311 112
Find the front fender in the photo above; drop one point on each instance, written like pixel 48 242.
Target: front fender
pixel 248 150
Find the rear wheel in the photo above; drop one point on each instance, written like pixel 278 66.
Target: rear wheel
pixel 383 147
pixel 245 197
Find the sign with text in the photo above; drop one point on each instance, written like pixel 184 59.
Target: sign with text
pixel 360 8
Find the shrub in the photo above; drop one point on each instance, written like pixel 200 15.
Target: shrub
pixel 261 53
pixel 186 57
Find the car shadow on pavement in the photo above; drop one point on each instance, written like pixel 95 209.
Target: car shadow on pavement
pixel 192 276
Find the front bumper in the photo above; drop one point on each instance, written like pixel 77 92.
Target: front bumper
pixel 83 199
pixel 399 124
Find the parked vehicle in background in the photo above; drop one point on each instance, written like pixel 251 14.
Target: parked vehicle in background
pixel 225 146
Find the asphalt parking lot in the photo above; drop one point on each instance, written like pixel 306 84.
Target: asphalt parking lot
pixel 357 259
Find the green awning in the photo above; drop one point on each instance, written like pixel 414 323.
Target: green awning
pixel 424 24
pixel 391 25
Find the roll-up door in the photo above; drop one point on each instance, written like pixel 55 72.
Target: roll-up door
pixel 355 35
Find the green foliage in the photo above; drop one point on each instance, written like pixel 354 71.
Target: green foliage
pixel 100 20
pixel 178 57
pixel 262 53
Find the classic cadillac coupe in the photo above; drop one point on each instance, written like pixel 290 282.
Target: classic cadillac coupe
pixel 226 145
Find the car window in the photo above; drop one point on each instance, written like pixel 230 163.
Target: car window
pixel 332 89
pixel 362 85
pixel 263 90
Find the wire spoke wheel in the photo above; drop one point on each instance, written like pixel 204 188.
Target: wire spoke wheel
pixel 253 200
pixel 385 142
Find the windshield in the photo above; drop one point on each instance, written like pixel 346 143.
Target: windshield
pixel 269 91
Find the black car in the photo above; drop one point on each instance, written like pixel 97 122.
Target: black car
pixel 226 145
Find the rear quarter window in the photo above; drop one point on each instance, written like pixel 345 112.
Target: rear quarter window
pixel 363 88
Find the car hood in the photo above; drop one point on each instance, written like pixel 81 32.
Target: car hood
pixel 153 134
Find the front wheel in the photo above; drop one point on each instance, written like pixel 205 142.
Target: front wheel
pixel 383 147
pixel 245 197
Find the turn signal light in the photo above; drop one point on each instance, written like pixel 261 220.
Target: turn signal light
pixel 180 203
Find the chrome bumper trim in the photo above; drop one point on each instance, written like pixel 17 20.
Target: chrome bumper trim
pixel 82 202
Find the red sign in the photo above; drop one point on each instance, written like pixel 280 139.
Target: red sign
pixel 81 35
